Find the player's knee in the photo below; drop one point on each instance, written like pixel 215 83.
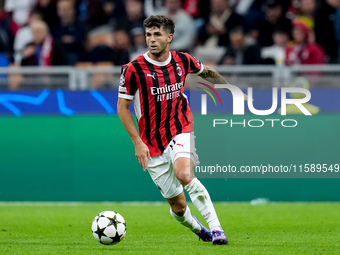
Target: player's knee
pixel 178 209
pixel 182 168
pixel 184 177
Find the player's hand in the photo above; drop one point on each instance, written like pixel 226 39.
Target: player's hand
pixel 142 154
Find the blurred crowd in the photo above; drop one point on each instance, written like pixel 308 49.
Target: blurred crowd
pixel 221 32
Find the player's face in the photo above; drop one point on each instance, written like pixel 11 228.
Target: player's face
pixel 158 40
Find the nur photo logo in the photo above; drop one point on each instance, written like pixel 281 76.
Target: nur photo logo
pixel 238 98
pixel 204 97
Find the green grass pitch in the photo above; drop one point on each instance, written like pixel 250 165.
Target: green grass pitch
pixel 274 228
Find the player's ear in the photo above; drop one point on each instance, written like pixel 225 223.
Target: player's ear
pixel 170 37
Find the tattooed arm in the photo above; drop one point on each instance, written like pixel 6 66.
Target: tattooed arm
pixel 211 75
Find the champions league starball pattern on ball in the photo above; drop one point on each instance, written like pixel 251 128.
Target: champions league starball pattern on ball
pixel 108 227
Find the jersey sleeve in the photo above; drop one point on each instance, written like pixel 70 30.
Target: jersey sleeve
pixel 127 83
pixel 195 65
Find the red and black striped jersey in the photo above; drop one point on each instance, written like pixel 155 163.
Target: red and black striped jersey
pixel 156 88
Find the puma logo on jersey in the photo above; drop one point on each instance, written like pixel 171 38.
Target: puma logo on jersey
pixel 153 75
pixel 180 145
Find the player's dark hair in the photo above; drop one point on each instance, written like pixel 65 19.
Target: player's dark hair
pixel 160 21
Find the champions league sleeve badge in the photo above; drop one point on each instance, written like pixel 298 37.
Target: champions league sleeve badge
pixel 198 61
pixel 121 80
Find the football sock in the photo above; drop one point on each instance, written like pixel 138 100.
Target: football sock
pixel 201 199
pixel 187 220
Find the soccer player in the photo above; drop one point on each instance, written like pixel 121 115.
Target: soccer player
pixel 165 144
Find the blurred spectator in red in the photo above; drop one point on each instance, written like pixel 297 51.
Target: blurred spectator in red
pixel 43 50
pixel 91 12
pixel 303 51
pixel 324 17
pixel 275 54
pixel 134 16
pixel 185 31
pixel 69 32
pixel 24 36
pixel 48 10
pixel 239 52
pixel 20 10
pixel 274 17
pixel 139 46
pixel 8 29
pixel 293 9
pixel 197 8
pixel 221 20
pixel 191 7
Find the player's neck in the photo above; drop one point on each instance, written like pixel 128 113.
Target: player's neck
pixel 161 58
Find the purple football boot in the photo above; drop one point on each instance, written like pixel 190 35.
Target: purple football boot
pixel 219 238
pixel 204 234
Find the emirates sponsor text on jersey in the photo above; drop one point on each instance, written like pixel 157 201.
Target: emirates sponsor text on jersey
pixel 167 92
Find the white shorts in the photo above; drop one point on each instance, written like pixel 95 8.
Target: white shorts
pixel 161 167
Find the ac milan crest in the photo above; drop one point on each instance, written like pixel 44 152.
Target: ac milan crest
pixel 179 71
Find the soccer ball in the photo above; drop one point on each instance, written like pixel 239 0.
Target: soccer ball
pixel 108 227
